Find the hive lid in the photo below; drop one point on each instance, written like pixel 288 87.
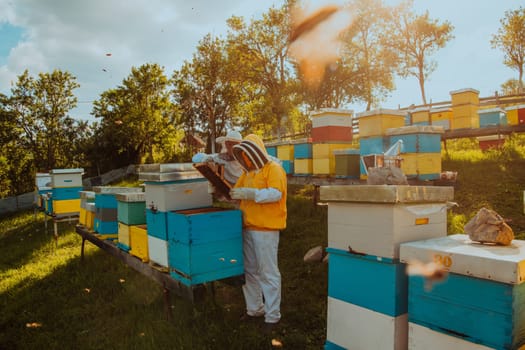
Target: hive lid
pixel 381 111
pixel 165 167
pixel 416 129
pixel 131 197
pixel 170 176
pixel 386 194
pixel 345 151
pixel 67 171
pixel 454 92
pixel 460 255
pixel 491 110
pixel 113 189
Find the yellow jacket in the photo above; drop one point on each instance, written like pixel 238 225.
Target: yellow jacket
pixel 268 174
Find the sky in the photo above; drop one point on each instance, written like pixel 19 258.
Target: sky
pixel 99 41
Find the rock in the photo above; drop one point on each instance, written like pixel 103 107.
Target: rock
pixel 314 255
pixel 489 227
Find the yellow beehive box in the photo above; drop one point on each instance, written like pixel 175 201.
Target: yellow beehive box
pixel 376 122
pixel 123 234
pixel 513 114
pixel 303 166
pixel 421 163
pixel 138 236
pixel 323 166
pixel 466 110
pixel 420 115
pixel 90 220
pixel 82 215
pixel 439 114
pixel 285 152
pixel 464 96
pixel 66 206
pixel 326 150
pixel 465 122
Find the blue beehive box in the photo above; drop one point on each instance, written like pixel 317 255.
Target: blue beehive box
pixel 302 150
pixel 376 283
pixel 105 227
pixel 482 300
pixel 492 117
pixel 372 145
pixel 62 193
pixel 419 143
pixel 287 166
pixel 272 150
pixel 157 222
pixel 200 226
pixel 417 138
pixel 204 244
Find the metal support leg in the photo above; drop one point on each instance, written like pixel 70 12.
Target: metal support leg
pixel 82 249
pixel 55 230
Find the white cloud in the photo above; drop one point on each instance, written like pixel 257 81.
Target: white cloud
pixel 76 35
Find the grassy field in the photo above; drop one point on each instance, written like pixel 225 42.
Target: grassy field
pixel 49 299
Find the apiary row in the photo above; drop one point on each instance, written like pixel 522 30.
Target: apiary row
pixel 419 155
pixel 170 223
pixel 374 233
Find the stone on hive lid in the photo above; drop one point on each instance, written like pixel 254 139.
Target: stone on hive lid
pixel 489 227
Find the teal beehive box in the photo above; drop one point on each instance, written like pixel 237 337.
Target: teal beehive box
pixel 131 208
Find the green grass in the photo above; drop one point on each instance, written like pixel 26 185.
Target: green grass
pixel 100 303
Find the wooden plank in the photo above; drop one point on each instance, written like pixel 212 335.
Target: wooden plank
pixel 161 278
pixel 494 130
pixel 387 194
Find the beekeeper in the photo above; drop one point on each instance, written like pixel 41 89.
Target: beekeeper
pixel 261 190
pixel 232 169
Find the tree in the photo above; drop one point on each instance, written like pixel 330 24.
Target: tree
pixel 418 37
pixel 510 87
pixel 205 91
pixel 40 108
pixel 366 47
pixel 510 38
pixel 136 118
pixel 263 70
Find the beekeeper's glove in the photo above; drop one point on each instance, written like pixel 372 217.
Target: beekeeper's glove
pixel 243 193
pixel 201 158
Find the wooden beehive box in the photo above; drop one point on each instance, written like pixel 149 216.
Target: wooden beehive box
pixel 131 208
pixel 483 298
pixel 205 244
pixel 350 326
pixel 377 122
pixel 139 242
pixel 178 195
pixel 375 219
pixel 375 283
pixel 66 177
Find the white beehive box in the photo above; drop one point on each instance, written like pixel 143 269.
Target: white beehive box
pixel 66 177
pixel 462 256
pixel 353 327
pixel 424 338
pixel 158 250
pixel 374 220
pixel 166 196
